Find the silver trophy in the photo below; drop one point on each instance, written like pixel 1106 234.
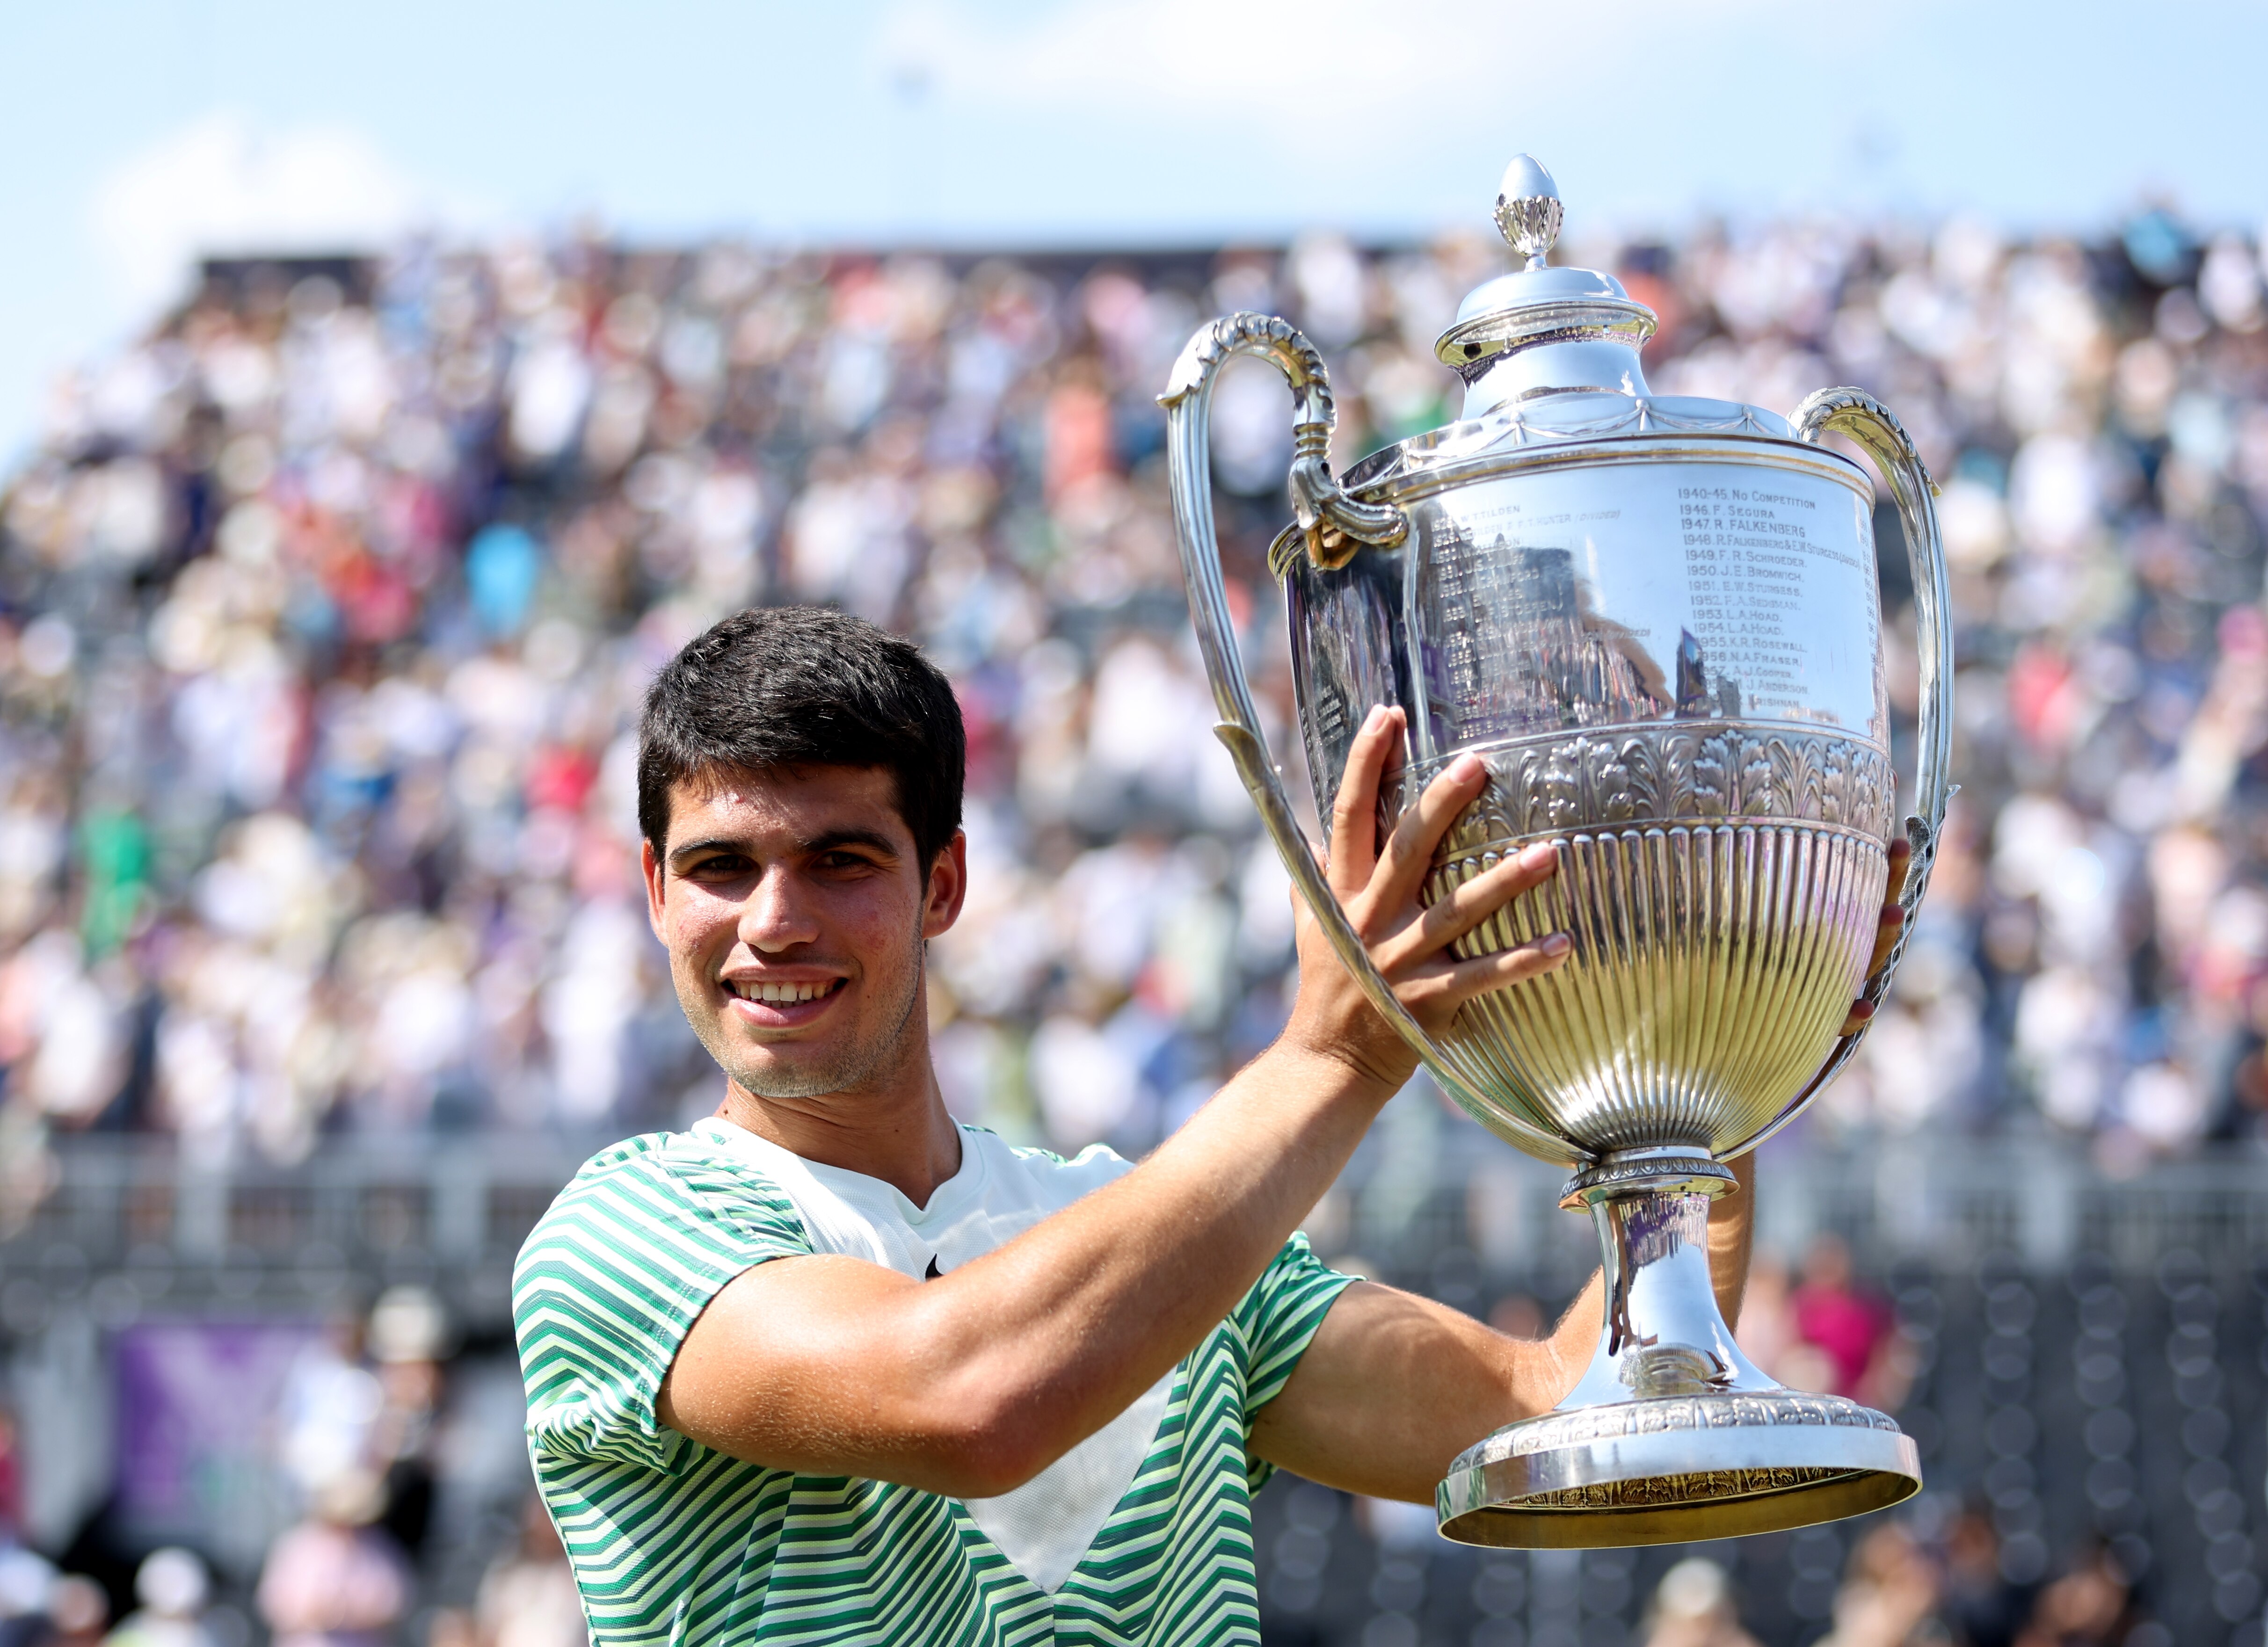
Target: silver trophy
pixel 1654 618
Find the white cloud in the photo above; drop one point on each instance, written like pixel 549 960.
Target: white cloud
pixel 224 184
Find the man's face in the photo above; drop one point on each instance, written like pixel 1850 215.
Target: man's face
pixel 794 909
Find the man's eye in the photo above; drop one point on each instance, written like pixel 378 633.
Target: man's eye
pixel 840 861
pixel 721 867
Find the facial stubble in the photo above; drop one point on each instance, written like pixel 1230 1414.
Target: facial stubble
pixel 856 1067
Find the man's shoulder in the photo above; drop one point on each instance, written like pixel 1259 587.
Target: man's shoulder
pixel 690 1164
pixel 656 1182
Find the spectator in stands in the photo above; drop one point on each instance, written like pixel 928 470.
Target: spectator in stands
pixel 1853 1330
pixel 28 1582
pixel 1693 1608
pixel 335 1580
pixel 2091 1606
pixel 37 1608
pixel 1890 1595
pixel 1982 1606
pixel 528 1597
pixel 78 1610
pixel 172 1585
pixel 408 1338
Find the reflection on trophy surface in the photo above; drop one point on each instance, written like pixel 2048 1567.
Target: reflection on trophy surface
pixel 1655 620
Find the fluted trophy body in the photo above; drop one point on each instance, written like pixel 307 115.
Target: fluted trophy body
pixel 1668 658
pixel 1656 620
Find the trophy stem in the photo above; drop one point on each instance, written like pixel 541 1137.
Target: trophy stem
pixel 1663 1333
pixel 1672 1434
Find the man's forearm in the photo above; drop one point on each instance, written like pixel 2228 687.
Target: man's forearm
pixel 1102 1299
pixel 973 1382
pixel 1394 1386
pixel 1732 1237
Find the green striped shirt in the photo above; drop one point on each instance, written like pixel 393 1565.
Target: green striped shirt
pixel 672 1541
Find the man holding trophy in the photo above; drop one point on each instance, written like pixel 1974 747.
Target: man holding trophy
pixel 830 1367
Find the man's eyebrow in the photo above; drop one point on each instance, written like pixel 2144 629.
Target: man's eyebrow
pixel 693 848
pixel 872 840
pixel 834 839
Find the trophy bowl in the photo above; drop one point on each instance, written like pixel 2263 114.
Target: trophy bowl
pixel 1656 620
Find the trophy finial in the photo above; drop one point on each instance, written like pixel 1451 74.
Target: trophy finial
pixel 1528 210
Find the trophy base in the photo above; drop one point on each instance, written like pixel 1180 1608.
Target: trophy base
pixel 1672 1435
pixel 1676 1469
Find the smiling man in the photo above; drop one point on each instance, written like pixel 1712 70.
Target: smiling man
pixel 829 1367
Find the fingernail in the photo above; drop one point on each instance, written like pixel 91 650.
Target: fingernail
pixel 1556 943
pixel 1466 767
pixel 1540 856
pixel 1375 719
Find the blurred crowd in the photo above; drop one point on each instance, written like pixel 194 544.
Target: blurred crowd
pixel 1915 1580
pixel 362 1520
pixel 327 606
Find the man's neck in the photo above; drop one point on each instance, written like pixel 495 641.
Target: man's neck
pixel 906 1137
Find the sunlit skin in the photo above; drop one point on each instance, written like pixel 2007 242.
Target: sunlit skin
pixel 809 880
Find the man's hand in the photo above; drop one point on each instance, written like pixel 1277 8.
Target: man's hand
pixel 1891 926
pixel 1380 888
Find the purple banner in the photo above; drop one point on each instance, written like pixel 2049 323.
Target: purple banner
pixel 199 1404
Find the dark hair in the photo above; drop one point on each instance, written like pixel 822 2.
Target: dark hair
pixel 779 687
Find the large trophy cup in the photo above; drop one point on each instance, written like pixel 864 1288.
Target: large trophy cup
pixel 1655 620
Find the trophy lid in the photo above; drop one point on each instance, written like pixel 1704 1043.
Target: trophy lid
pixel 1541 330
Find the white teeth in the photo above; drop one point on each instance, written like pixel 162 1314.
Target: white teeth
pixel 781 994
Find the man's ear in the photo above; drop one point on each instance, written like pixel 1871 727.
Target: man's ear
pixel 656 878
pixel 948 886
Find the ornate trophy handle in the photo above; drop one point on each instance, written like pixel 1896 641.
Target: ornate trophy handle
pixel 1333 525
pixel 1865 420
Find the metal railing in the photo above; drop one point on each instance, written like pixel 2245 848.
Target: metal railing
pixel 452 1212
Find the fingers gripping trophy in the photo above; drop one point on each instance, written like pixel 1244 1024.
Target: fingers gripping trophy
pixel 1655 620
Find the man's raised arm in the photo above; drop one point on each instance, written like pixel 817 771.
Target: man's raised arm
pixel 973 1383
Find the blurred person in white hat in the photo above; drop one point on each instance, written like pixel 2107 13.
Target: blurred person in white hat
pixel 172 1585
pixel 1693 1608
pixel 410 1342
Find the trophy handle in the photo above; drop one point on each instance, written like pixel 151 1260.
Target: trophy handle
pixel 1865 420
pixel 1333 525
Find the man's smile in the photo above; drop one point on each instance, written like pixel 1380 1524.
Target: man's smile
pixel 780 1003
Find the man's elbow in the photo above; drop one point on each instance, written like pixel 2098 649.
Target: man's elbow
pixel 985 1446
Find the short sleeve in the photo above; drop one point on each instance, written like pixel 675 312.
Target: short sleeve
pixel 613 1278
pixel 1278 1318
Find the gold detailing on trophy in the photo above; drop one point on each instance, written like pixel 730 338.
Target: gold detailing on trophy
pixel 1332 523
pixel 1620 1420
pixel 1712 969
pixel 1647 1492
pixel 1699 769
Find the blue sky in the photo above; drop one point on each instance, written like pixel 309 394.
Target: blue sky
pixel 137 133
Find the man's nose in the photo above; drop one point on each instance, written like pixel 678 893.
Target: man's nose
pixel 777 916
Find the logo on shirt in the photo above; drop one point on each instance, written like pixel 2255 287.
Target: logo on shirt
pixel 933 1272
